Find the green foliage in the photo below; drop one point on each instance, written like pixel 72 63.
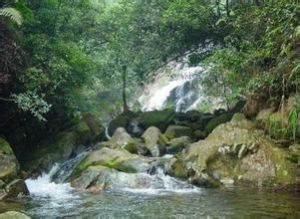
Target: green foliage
pixel 260 82
pixel 12 14
pixel 293 120
pixel 33 103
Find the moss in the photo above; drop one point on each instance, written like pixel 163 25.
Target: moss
pixel 159 119
pixel 215 122
pixel 5 147
pixel 115 159
pixel 178 169
pixel 285 170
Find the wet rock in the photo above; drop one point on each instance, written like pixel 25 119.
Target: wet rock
pixel 155 142
pixel 13 215
pixel 117 159
pixel 95 177
pixel 16 189
pixel 176 131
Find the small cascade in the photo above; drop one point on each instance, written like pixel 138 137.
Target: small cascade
pixel 159 183
pixel 106 125
pixel 65 169
pixel 54 183
pixel 43 186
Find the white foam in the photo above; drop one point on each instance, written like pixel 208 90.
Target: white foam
pixel 44 187
pixel 173 78
pixel 164 184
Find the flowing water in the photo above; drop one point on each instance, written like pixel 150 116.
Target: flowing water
pixel 165 198
pixel 179 86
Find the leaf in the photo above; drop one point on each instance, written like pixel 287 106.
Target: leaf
pixel 12 14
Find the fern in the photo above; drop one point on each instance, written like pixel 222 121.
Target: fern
pixel 12 14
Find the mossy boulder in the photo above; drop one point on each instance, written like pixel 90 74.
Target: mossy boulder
pixel 216 121
pixel 123 120
pixel 176 131
pixel 117 159
pixel 176 168
pixel 13 215
pixel 10 186
pixel 63 145
pixel 178 144
pixel 238 151
pixel 160 119
pixel 8 163
pixel 59 149
pixel 121 140
pixel 97 178
pixel 94 123
pixel 155 142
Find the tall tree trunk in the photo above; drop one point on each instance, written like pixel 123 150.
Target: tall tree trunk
pixel 227 8
pixel 124 97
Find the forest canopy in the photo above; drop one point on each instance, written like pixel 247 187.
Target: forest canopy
pixel 59 58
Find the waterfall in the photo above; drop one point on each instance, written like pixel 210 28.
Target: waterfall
pixel 178 85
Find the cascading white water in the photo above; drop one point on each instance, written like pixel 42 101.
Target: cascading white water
pixel 179 84
pixel 160 184
pixel 43 186
pixel 53 185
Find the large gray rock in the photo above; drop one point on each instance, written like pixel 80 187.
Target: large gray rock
pixel 236 152
pixel 155 142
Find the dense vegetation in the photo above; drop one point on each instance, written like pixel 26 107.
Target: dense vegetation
pixel 58 59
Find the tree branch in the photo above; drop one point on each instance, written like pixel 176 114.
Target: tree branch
pixel 6 99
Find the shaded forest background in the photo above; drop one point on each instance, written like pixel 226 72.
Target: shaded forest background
pixel 60 60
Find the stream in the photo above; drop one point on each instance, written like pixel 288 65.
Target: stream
pixel 53 197
pixel 165 197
